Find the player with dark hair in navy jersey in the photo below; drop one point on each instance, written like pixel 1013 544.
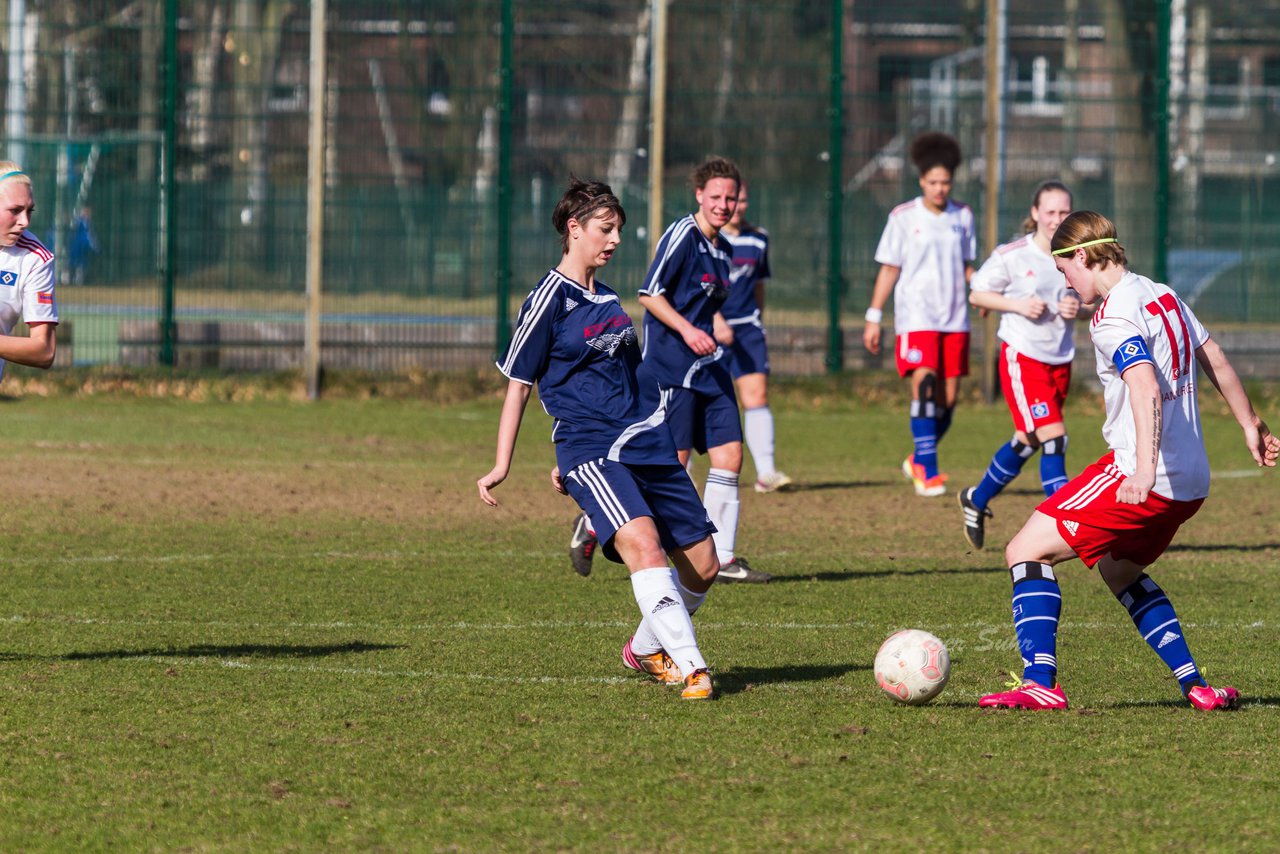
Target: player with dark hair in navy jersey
pixel 687 284
pixel 615 451
pixel 740 327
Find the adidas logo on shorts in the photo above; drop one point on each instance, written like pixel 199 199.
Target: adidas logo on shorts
pixel 1071 526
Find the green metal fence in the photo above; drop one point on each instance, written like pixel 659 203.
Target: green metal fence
pixel 448 144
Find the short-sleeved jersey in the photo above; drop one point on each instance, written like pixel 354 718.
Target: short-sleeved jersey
pixel 1019 270
pixel 1141 321
pixel 749 266
pixel 581 350
pixel 26 285
pixel 692 273
pixel 931 251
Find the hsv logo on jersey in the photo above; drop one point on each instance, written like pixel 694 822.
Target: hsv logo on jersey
pixel 914 356
pixel 8 278
pixel 1040 410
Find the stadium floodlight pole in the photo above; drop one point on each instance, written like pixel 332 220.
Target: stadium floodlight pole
pixel 657 120
pixel 318 84
pixel 835 192
pixel 506 73
pixel 169 207
pixel 994 144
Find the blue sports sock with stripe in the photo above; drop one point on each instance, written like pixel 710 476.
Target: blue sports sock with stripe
pixel 1157 622
pixel 924 433
pixel 1037 605
pixel 1053 464
pixel 1005 465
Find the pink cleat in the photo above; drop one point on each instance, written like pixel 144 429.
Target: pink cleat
pixel 1029 695
pixel 1207 699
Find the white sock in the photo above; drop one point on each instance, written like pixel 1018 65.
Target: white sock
pixel 757 429
pixel 663 611
pixel 721 500
pixel 645 642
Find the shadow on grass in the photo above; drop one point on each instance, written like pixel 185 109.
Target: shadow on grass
pixel 832 484
pixel 247 650
pixel 854 574
pixel 1224 547
pixel 735 680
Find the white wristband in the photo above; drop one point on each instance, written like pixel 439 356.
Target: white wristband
pixel 874 315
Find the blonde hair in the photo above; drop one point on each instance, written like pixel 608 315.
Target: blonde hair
pixel 1084 227
pixel 10 171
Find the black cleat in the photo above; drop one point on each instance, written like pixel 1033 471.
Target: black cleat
pixel 738 571
pixel 582 545
pixel 975 517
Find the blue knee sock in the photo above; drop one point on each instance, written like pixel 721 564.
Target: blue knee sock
pixel 1053 464
pixel 1004 467
pixel 1153 614
pixel 924 434
pixel 1037 605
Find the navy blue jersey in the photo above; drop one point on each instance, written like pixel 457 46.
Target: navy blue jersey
pixel 581 350
pixel 692 272
pixel 750 266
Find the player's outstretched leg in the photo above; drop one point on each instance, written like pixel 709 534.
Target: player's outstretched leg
pixel 1037 606
pixel 1153 615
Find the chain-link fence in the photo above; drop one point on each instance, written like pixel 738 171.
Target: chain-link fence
pixel 440 179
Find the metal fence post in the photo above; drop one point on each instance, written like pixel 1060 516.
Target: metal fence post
pixel 1160 120
pixel 505 74
pixel 835 192
pixel 169 207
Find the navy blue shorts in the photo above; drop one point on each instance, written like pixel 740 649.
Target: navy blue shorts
pixel 612 494
pixel 699 420
pixel 748 354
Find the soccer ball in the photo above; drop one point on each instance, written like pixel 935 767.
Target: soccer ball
pixel 912 666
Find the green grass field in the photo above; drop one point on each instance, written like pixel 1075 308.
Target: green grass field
pixel 274 626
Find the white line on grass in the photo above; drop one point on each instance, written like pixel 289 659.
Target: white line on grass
pixel 560 625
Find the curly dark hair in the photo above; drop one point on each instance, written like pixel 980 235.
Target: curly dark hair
pixel 715 167
pixel 935 149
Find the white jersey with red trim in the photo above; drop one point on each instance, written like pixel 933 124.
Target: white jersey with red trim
pixel 1141 321
pixel 931 250
pixel 26 285
pixel 1019 270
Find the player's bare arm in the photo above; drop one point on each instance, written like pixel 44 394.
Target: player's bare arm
pixel 723 331
pixel 885 280
pixel 36 351
pixel 1263 446
pixel 1144 401
pixel 1031 307
pixel 694 338
pixel 508 430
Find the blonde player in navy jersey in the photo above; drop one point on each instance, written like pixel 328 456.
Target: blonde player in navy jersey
pixel 927 250
pixel 619 464
pixel 687 283
pixel 26 277
pixel 1120 514
pixel 739 326
pixel 1036 349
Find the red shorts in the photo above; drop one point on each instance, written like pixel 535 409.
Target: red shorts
pixel 1034 390
pixel 1095 524
pixel 944 353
